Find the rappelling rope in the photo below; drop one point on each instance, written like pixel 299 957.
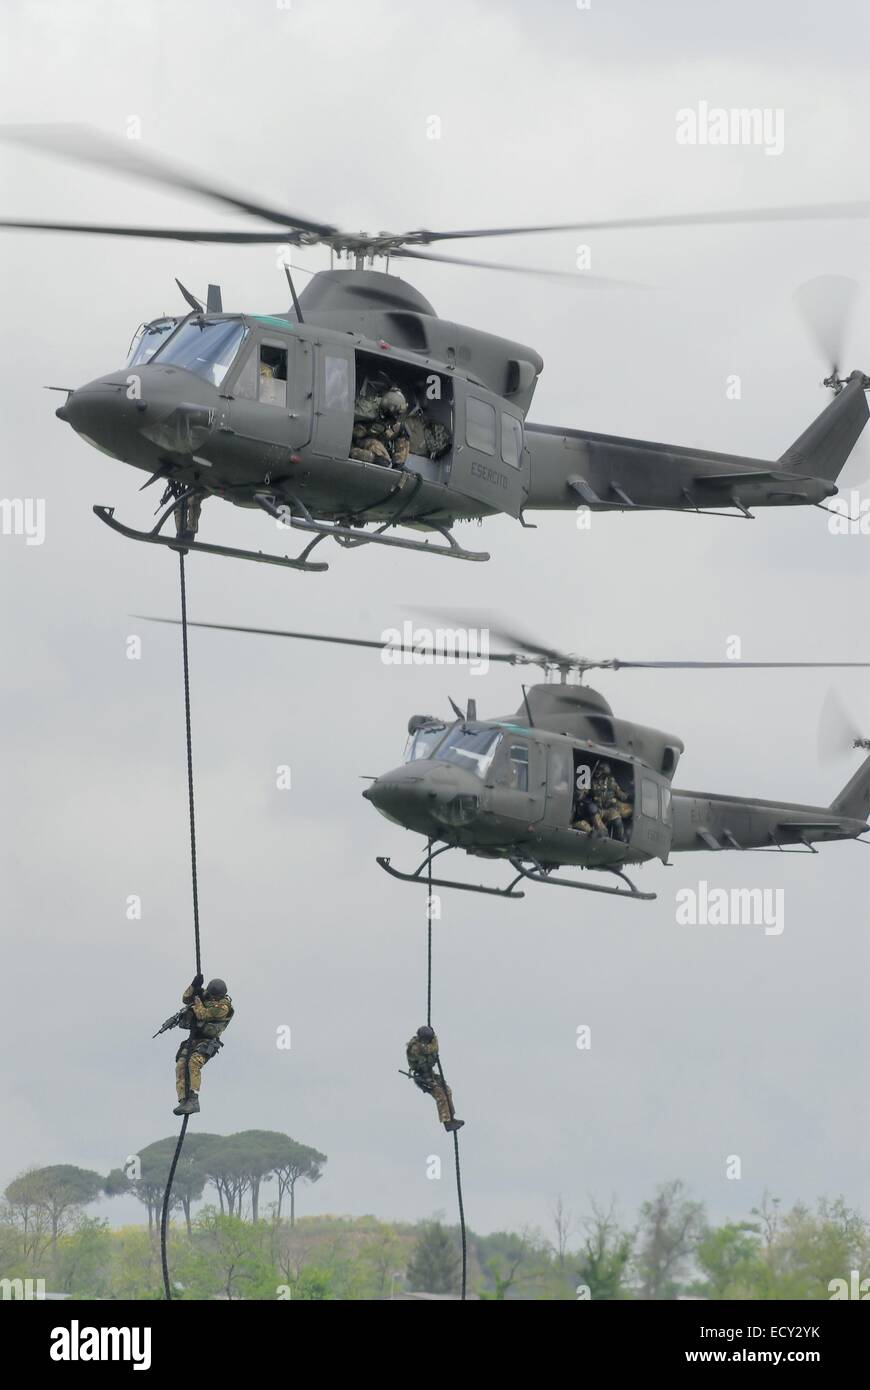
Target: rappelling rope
pixel 440 1069
pixel 191 806
pixel 192 813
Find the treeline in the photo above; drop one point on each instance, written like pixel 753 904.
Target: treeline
pixel 45 1202
pixel 670 1250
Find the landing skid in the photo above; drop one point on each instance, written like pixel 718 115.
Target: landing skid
pixel 352 536
pixel 349 537
pixel 540 875
pixel 417 877
pixel 153 537
pixel 535 874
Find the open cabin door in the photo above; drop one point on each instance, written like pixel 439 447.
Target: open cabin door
pixel 490 461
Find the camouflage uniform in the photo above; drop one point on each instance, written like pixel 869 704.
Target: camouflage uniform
pixel 209 1018
pixel 186 515
pixel 380 430
pixel 612 802
pixel 429 438
pixel 422 1057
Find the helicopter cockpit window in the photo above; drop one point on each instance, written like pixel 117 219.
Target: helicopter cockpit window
pixel 148 339
pixel 666 804
pixel 204 346
pixel 511 440
pixel 480 425
pixel 423 743
pixel 273 375
pixel 473 749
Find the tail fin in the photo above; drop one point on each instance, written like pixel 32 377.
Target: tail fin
pixel 822 450
pixel 854 799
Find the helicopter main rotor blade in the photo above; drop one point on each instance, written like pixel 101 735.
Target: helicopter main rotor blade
pixel 578 663
pixel 827 304
pixel 155 233
pixel 804 212
pixel 310 636
pixel 614 664
pixel 88 146
pixel 521 642
pixel 577 277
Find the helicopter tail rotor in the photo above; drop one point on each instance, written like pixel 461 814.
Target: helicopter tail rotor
pixel 827 306
pixel 838 733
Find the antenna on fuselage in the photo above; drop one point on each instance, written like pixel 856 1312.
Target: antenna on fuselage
pixel 296 308
pixel 528 706
pixel 191 299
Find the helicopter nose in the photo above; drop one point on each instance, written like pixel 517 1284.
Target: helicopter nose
pixel 101 413
pixel 127 415
pixel 425 794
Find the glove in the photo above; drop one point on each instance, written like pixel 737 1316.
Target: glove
pixel 196 983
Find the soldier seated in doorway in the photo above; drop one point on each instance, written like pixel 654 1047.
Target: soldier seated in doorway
pixel 380 434
pixel 612 804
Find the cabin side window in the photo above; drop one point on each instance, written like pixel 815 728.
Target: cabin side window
pixel 518 767
pixel 480 425
pixel 337 393
pixel 649 798
pixel 667 813
pixel 272 375
pixel 511 440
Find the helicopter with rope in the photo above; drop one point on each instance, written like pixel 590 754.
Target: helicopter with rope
pixel 268 411
pixel 564 782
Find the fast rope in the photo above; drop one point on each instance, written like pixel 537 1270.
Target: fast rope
pixel 440 1070
pixel 164 1215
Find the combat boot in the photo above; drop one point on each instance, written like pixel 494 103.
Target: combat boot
pixel 452 1125
pixel 190 1106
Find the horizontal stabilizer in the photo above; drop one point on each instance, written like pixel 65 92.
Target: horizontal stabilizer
pixel 738 476
pixel 810 825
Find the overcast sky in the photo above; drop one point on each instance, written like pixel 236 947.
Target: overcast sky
pixel 706 1042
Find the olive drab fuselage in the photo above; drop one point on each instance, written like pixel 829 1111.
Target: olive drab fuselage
pixel 512 788
pixel 270 409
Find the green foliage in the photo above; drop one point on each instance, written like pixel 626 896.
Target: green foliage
pixel 605 1259
pixel 730 1258
pixel 670 1227
pixel 435 1265
pixel 779 1254
pixel 312 1285
pixel 53 1195
pixel 83 1259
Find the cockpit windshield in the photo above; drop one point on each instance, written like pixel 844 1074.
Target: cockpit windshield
pixel 423 742
pixel 204 346
pixel 148 339
pixel 473 749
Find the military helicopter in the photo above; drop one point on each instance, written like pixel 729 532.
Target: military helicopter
pixel 522 787
pixel 261 409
